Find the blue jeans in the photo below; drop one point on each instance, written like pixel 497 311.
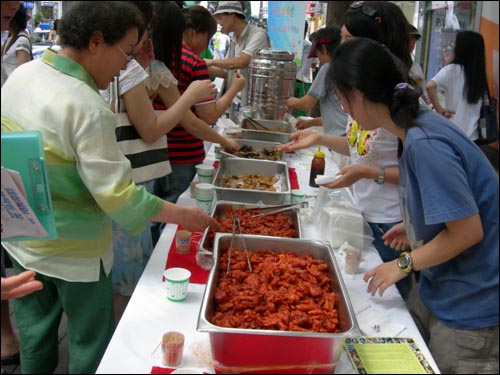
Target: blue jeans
pixel 170 188
pixel 388 254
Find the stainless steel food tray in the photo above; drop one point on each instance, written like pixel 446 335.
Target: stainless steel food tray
pixel 239 167
pixel 221 209
pixel 279 131
pixel 273 351
pixel 257 145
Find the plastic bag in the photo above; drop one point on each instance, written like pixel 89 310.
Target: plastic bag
pixel 337 219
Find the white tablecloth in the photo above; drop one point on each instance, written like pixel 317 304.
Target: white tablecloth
pixel 134 347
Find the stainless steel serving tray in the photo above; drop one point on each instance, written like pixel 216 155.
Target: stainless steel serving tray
pixel 239 167
pixel 222 208
pixel 273 351
pixel 279 131
pixel 257 145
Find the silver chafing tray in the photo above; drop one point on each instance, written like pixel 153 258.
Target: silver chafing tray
pixel 222 208
pixel 236 350
pixel 256 144
pixel 279 130
pixel 239 167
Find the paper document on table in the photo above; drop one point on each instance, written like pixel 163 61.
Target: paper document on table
pixel 386 355
pixel 18 219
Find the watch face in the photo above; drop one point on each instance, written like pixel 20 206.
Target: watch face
pixel 403 261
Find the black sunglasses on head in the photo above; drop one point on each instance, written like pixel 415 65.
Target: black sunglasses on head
pixel 367 9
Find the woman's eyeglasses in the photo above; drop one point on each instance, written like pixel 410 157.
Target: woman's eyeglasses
pixel 367 9
pixel 128 58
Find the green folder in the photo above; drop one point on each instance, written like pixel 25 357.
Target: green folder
pixel 23 153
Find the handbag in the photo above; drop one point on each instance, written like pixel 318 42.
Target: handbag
pixel 487 126
pixel 149 161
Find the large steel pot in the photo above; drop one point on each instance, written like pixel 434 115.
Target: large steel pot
pixel 272 81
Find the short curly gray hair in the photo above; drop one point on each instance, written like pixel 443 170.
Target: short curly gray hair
pixel 112 18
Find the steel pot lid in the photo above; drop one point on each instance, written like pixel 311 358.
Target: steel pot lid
pixel 275 54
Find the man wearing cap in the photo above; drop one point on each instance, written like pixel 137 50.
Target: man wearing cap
pixel 416 73
pixel 246 41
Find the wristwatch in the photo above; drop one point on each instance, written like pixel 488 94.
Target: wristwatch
pixel 381 176
pixel 405 263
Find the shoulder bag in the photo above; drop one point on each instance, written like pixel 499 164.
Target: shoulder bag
pixel 149 161
pixel 487 126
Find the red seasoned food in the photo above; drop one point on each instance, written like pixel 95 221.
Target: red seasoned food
pixel 278 225
pixel 284 292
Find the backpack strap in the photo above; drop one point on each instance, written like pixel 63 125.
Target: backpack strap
pixel 6 47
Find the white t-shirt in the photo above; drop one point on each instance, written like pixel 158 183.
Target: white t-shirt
pixel 9 59
pixel 379 147
pixel 450 80
pixel 252 40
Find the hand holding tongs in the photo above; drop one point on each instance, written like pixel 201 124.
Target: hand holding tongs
pixel 278 209
pixel 236 222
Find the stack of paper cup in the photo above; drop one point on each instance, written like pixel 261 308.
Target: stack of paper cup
pixel 205 173
pixel 298 196
pixel 205 196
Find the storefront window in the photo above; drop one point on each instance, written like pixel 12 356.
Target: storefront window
pixel 444 20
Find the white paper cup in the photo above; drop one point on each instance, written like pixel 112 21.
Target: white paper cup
pixel 205 196
pixel 177 281
pixel 205 172
pixel 192 188
pixel 217 150
pixel 298 196
pixel 185 370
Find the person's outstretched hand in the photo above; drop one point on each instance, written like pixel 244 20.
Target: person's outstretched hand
pixel 300 140
pixel 20 285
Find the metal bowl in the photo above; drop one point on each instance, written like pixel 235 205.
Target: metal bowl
pixel 257 145
pixel 221 210
pixel 239 167
pixel 279 131
pixel 236 350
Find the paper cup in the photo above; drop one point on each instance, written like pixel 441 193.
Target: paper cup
pixel 298 196
pixel 217 150
pixel 172 346
pixel 185 370
pixel 352 260
pixel 182 241
pixel 192 189
pixel 177 281
pixel 205 172
pixel 205 196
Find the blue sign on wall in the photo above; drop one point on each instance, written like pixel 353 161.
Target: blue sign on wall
pixel 286 26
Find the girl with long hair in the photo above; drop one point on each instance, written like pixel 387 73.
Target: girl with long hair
pixel 462 83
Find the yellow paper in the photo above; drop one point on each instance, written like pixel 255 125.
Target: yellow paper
pixel 386 355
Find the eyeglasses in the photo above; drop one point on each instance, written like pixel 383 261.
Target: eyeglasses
pixel 128 58
pixel 367 9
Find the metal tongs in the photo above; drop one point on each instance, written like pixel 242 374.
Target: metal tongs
pixel 277 209
pixel 256 124
pixel 236 223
